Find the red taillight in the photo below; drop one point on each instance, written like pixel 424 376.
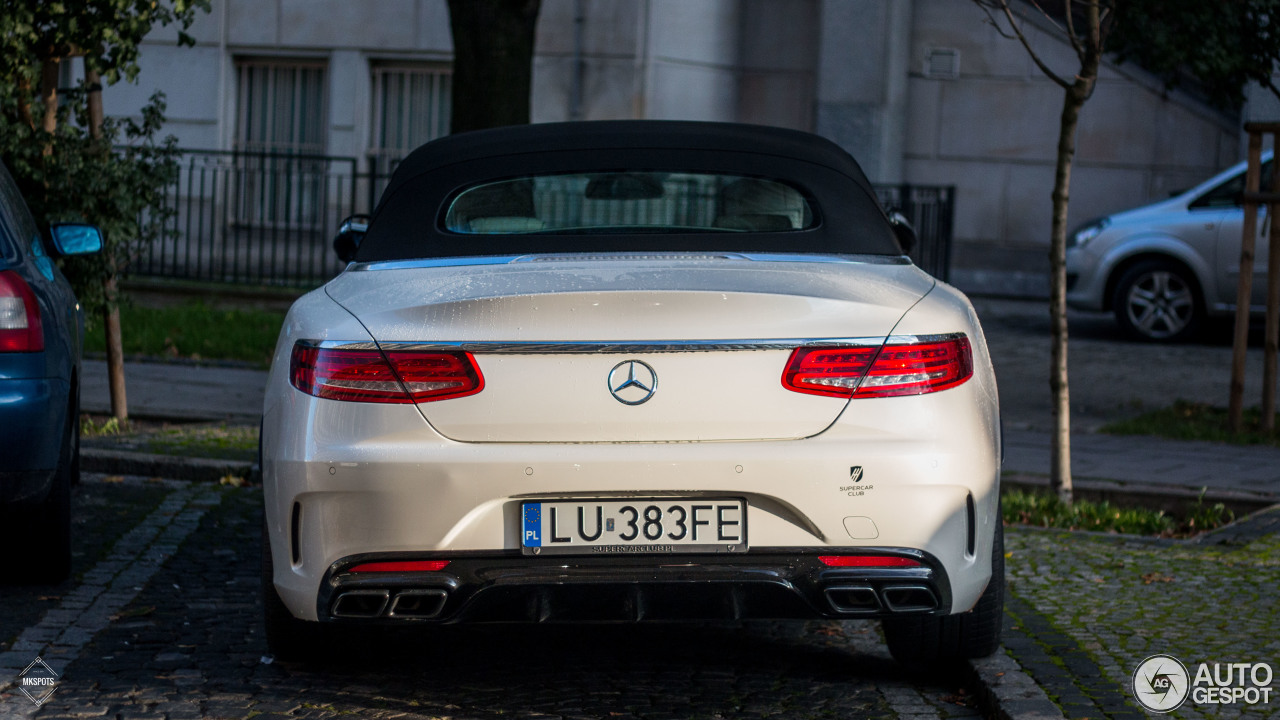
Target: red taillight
pixel 367 376
pixel 871 561
pixel 20 329
pixel 834 371
pixel 895 369
pixel 402 566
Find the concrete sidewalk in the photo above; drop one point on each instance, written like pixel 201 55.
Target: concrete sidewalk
pixel 1143 464
pixel 163 391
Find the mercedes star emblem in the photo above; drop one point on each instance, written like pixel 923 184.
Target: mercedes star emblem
pixel 632 382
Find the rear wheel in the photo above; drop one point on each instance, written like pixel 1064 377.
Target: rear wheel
pixel 1157 300
pixel 75 435
pixel 288 638
pixel 943 638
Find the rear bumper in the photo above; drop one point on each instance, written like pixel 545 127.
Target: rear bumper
pixel 764 583
pixel 387 490
pixel 32 413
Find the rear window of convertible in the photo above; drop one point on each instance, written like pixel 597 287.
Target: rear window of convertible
pixel 629 202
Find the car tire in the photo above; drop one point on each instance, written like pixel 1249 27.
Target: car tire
pixel 75 436
pixel 288 638
pixel 46 529
pixel 1157 300
pixel 926 639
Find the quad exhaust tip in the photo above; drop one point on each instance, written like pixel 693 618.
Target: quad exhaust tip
pixel 853 599
pixel 373 603
pixel 418 603
pixel 909 598
pixel 866 600
pixel 361 603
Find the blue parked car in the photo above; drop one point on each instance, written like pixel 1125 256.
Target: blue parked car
pixel 41 333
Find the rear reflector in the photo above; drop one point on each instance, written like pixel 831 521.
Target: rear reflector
pixel 404 566
pixel 870 561
pixel 20 329
pixel 894 369
pixel 397 377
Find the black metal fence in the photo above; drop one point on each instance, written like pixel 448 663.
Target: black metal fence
pixel 269 219
pixel 931 210
pixel 256 218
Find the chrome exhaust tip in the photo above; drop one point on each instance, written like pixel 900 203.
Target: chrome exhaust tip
pixel 909 598
pixel 852 599
pixel 360 603
pixel 418 603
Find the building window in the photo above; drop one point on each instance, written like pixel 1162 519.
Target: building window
pixel 281 124
pixel 281 107
pixel 411 106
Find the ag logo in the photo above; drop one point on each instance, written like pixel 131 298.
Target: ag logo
pixel 1161 683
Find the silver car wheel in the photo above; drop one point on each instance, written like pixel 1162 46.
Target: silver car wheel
pixel 1160 304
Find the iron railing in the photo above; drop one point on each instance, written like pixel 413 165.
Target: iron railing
pixel 254 218
pixel 269 219
pixel 931 210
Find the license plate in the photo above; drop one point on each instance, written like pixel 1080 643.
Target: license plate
pixel 658 526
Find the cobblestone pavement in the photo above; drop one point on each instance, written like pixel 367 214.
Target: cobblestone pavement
pixel 102 512
pixel 160 629
pixel 1112 377
pixel 1085 609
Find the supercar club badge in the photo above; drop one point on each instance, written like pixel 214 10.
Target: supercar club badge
pixel 1161 683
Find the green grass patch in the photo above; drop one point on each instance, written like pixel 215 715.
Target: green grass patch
pixel 225 442
pixel 1043 509
pixel 196 331
pixel 1196 421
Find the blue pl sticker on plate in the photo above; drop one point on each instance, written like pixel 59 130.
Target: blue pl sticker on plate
pixel 533 525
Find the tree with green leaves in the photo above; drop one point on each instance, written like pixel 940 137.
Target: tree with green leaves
pixel 1218 47
pixel 70 163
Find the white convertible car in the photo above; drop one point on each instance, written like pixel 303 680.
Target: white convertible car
pixel 633 371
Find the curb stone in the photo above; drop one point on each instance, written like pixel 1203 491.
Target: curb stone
pixel 174 467
pixel 1163 496
pixel 1008 693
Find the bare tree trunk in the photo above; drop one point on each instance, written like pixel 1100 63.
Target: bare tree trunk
pixel 1244 286
pixel 24 102
pixel 1060 452
pixel 111 313
pixel 93 83
pixel 115 351
pixel 1077 88
pixel 1073 100
pixel 49 98
pixel 492 62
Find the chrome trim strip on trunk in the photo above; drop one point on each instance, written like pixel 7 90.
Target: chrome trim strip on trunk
pixel 423 263
pixel 627 347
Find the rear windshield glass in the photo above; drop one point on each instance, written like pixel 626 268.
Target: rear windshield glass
pixel 645 202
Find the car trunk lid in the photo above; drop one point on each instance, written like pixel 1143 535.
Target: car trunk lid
pixel 630 350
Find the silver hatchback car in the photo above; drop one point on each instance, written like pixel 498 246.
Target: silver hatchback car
pixel 1162 268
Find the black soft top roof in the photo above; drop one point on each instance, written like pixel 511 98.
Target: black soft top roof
pixel 406 223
